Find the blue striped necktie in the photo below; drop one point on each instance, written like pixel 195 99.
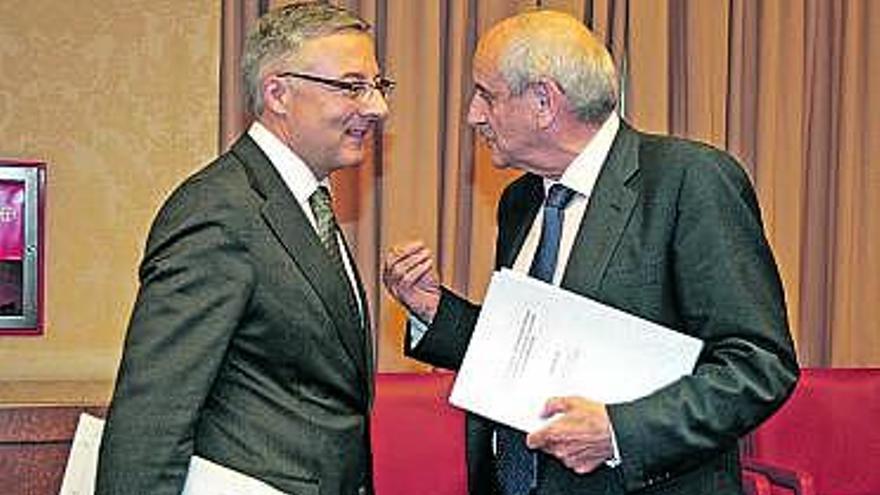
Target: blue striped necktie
pixel 516 465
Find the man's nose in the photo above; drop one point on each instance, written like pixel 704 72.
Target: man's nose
pixel 475 114
pixel 375 105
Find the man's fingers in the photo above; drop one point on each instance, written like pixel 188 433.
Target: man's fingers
pixel 555 405
pixel 401 251
pixel 400 258
pixel 541 439
pixel 551 439
pixel 586 459
pixel 582 464
pixel 428 280
pixel 406 274
pixel 416 272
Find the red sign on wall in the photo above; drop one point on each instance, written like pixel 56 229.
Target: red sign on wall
pixel 22 198
pixel 11 224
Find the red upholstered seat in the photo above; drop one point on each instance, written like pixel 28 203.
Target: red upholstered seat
pixel 826 439
pixel 418 437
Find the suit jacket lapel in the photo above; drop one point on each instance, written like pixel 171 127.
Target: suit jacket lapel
pixel 287 220
pixel 611 204
pixel 522 210
pixel 370 340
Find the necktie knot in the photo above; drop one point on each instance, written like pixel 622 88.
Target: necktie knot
pixel 321 203
pixel 559 196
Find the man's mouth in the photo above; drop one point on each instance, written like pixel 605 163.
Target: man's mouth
pixel 358 132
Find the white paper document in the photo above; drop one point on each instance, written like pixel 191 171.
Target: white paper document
pixel 534 341
pixel 209 478
pixel 82 462
pixel 203 478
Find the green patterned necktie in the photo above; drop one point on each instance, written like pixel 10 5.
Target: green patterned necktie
pixel 325 221
pixel 322 207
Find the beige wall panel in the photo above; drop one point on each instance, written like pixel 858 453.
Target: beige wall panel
pixel 856 261
pixel 410 171
pixel 707 24
pixel 455 210
pixel 780 149
pixel 489 12
pixel 120 98
pixel 647 96
pixel 573 7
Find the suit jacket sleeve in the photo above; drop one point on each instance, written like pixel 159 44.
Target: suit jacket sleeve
pixel 727 292
pixel 447 338
pixel 195 283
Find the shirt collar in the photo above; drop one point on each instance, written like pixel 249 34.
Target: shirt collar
pixel 582 173
pixel 298 177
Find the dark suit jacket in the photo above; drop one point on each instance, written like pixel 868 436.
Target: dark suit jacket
pixel 672 233
pixel 240 347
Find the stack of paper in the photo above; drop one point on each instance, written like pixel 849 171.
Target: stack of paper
pixel 534 341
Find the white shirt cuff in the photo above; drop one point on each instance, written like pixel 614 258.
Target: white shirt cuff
pixel 417 329
pixel 615 458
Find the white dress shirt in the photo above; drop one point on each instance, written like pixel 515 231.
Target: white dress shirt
pixel 301 181
pixel 580 176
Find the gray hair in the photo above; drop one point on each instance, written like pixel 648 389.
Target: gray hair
pixel 279 35
pixel 557 46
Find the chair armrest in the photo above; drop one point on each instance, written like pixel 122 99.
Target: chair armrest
pixel 755 483
pixel 800 482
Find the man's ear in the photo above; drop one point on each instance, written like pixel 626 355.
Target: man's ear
pixel 548 100
pixel 275 95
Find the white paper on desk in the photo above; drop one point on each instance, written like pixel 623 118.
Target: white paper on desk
pixel 82 462
pixel 534 341
pixel 203 478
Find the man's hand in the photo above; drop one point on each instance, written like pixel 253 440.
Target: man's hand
pixel 580 437
pixel 409 276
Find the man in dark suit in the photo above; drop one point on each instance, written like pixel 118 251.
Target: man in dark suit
pixel 663 228
pixel 250 349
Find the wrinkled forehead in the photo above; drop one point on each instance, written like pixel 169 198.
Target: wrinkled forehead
pixel 490 47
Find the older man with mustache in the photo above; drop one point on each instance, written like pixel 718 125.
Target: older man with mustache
pixel 663 228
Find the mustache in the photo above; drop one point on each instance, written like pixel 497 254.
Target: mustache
pixel 485 131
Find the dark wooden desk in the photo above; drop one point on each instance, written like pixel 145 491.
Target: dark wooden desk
pixel 34 442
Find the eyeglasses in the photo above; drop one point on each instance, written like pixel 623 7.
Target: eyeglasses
pixel 355 89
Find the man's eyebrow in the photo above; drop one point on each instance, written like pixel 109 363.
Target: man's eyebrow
pixel 484 93
pixel 354 75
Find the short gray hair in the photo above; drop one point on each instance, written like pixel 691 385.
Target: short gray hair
pixel 279 35
pixel 557 46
